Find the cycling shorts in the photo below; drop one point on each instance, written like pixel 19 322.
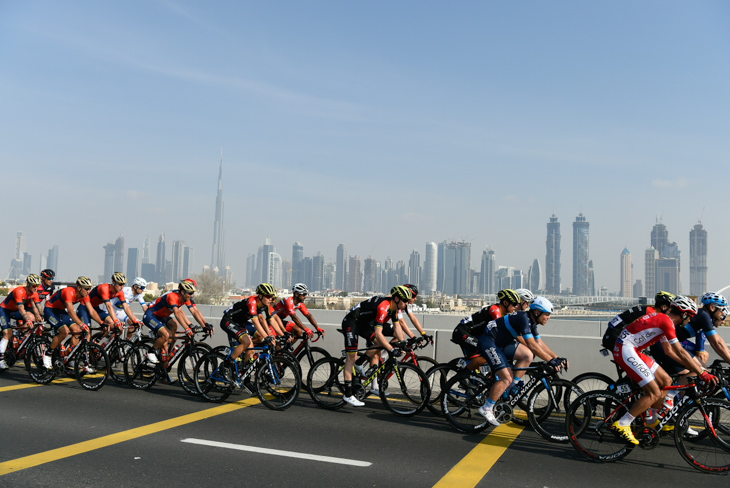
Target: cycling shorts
pixel 6 315
pixel 153 321
pixel 494 355
pixel 353 333
pixel 468 343
pixel 85 316
pixel 638 366
pixel 57 317
pixel 237 331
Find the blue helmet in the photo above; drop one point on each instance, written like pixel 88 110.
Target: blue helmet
pixel 711 298
pixel 542 304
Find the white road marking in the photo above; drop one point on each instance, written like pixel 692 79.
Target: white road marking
pixel 276 452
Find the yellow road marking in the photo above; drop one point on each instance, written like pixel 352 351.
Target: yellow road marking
pixel 475 465
pixel 33 385
pixel 109 440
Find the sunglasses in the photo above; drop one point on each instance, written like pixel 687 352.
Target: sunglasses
pixel 87 288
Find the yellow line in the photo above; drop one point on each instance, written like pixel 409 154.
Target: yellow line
pixel 109 440
pixel 476 464
pixel 33 385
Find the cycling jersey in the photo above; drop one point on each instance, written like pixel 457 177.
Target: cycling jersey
pixel 130 297
pixel 476 323
pixel 498 343
pixel 246 309
pixel 286 308
pixel 20 295
pixel 639 335
pixel 617 324
pixel 363 318
pixel 69 294
pixel 44 293
pixel 104 293
pixel 702 322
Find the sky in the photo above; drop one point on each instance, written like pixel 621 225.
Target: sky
pixel 379 125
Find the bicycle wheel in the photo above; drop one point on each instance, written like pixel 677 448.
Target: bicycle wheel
pixel 588 424
pixel 213 378
pixel 403 389
pixel 10 357
pixel 307 359
pixel 426 363
pixel 709 452
pixel 437 377
pixel 92 366
pixel 593 381
pixel 462 397
pixel 34 361
pixel 278 382
pixel 327 383
pixel 546 408
pixel 117 357
pixel 186 368
pixel 138 370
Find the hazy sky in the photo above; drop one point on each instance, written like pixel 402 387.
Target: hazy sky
pixel 380 125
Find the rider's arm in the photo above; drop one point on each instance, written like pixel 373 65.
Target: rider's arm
pixel 258 322
pixel 297 322
pixel 416 323
pixel 539 349
pixel 380 339
pixel 182 319
pixel 93 314
pixel 719 346
pixel 276 324
pixel 685 358
pixel 198 315
pixel 404 327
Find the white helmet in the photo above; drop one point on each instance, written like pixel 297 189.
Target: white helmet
pixel 685 305
pixel 300 288
pixel 525 294
pixel 140 282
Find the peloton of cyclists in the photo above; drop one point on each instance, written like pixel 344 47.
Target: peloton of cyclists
pixel 46 289
pixel 287 307
pixel 105 293
pixel 20 304
pixel 134 293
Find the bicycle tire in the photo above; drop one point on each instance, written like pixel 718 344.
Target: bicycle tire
pixel 593 381
pixel 463 395
pixel 425 363
pixel 327 383
pixel 186 368
pixel 709 452
pixel 546 408
pixel 93 356
pixel 588 424
pixel 213 378
pixel 117 357
pixel 306 364
pixel 278 382
pixel 404 389
pixel 10 357
pixel 437 377
pixel 34 361
pixel 138 370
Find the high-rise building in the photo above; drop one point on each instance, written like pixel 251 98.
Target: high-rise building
pixel 307 272
pixel 581 278
pixel 297 262
pixel 650 257
pixel 354 277
pixel 178 248
pixel 638 289
pixel 109 251
pixel 414 269
pixel 667 275
pixel 697 260
pixel 626 288
pixel 132 263
pixel 148 271
pixel 552 257
pixel 659 238
pixel 218 257
pixel 274 270
pixel 666 269
pixel 146 251
pixel 486 273
pixel 251 279
pixel 265 262
pixel 341 268
pixel 160 263
pixel 52 261
pixel 119 254
pixel 330 277
pixel 318 272
pixel 368 275
pixel 430 266
pixel 534 275
pixel 454 268
pixel 187 268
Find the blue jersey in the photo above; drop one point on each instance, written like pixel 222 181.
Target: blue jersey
pixel 700 323
pixel 505 330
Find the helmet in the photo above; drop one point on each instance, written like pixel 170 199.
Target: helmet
pixel 186 286
pixel 119 278
pixel 192 281
pixel 510 295
pixel 663 298
pixel 266 289
pixel 140 282
pixel 300 288
pixel 711 298
pixel 685 305
pixel 525 294
pixel 33 279
pixel 541 304
pixel 414 288
pixel 402 292
pixel 84 282
pixel 48 273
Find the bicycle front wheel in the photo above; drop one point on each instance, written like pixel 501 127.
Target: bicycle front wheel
pixel 593 381
pixel 404 389
pixel 307 359
pixel 139 371
pixel 92 366
pixel 213 378
pixel 327 383
pixel 588 424
pixel 710 450
pixel 546 408
pixel 186 368
pixel 437 377
pixel 278 382
pixel 34 361
pixel 117 357
pixel 462 397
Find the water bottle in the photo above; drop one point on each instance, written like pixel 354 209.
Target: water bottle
pixel 370 371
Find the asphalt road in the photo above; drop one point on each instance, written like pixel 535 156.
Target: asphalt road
pixel 61 435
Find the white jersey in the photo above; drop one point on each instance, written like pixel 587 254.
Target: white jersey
pixel 130 297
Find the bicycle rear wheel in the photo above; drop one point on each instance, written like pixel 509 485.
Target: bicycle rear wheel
pixel 278 382
pixel 404 389
pixel 92 366
pixel 213 378
pixel 462 397
pixel 327 383
pixel 588 424
pixel 437 377
pixel 593 381
pixel 139 371
pixel 709 451
pixel 117 357
pixel 307 360
pixel 186 368
pixel 546 408
pixel 34 361
pixel 10 357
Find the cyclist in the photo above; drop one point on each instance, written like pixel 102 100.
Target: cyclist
pixel 197 314
pixel 164 316
pixel 18 305
pixel 527 298
pixel 60 313
pixel 641 334
pixel 367 320
pixel 467 333
pixel 105 293
pixel 713 311
pixel 616 325
pixel 412 317
pixel 134 293
pixel 47 287
pixel 287 307
pixel 515 337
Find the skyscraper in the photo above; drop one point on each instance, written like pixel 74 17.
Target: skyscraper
pixel 354 278
pixel 533 279
pixel 109 251
pixel 454 264
pixel 429 269
pixel 52 261
pixel 146 251
pixel 552 258
pixel 297 262
pixel 187 268
pixel 265 261
pixel 626 287
pixel 581 279
pixel 486 273
pixel 119 254
pixel 666 276
pixel 318 272
pixel 697 260
pixel 414 268
pixel 132 263
pixel 160 263
pixel 368 275
pixel 341 268
pixel 178 248
pixel 218 257
pixel 650 257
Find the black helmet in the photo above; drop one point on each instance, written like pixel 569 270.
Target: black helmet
pixel 48 273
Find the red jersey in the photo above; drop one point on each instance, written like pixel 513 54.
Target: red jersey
pixel 165 305
pixel 648 330
pixel 69 294
pixel 286 308
pixel 104 293
pixel 18 296
pixel 44 293
pixel 243 311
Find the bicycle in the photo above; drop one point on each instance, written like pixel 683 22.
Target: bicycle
pixel 706 447
pixel 276 379
pixel 403 387
pixel 547 400
pixel 87 361
pixel 117 348
pixel 142 374
pixel 304 354
pixel 22 338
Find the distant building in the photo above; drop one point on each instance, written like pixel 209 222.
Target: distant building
pixel 341 268
pixel 354 275
pixel 454 263
pixel 430 268
pixel 638 289
pixel 318 272
pixel 552 257
pixel 218 255
pixel 650 257
pixel 133 263
pixel 486 273
pixel 533 276
pixel 297 262
pixel 665 267
pixel 414 269
pixel 581 286
pixel 698 260
pixel 178 255
pixel 626 287
pixel 160 263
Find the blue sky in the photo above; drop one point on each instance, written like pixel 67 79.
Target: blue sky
pixel 380 125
